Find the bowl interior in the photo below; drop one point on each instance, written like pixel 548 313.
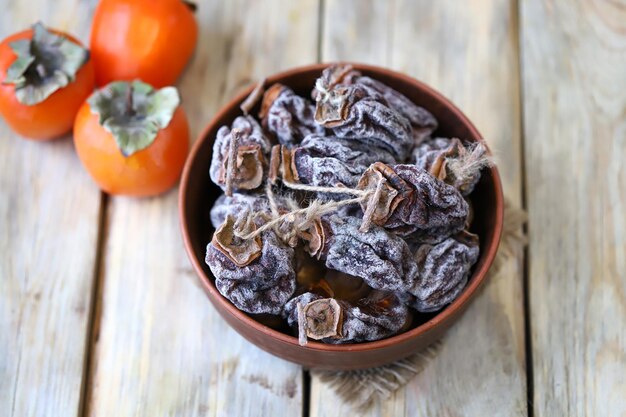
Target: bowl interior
pixel 198 193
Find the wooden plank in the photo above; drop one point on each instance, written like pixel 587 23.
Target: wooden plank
pixel 574 60
pixel 49 221
pixel 162 349
pixel 468 52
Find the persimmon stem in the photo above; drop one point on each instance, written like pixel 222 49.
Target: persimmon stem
pixel 371 206
pixel 192 6
pixel 41 70
pixel 231 165
pixel 254 97
pixel 129 101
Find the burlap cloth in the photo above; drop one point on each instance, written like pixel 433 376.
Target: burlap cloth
pixel 363 388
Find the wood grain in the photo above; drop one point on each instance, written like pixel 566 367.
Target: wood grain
pixel 49 229
pixel 574 60
pixel 468 52
pixel 162 349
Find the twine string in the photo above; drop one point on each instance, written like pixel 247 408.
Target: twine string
pixel 371 205
pixel 314 211
pixel 301 219
pixel 330 190
pixel 469 162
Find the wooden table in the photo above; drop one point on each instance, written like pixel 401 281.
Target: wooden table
pixel 102 315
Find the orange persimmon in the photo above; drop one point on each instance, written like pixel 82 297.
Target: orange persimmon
pixel 142 39
pixel 132 139
pixel 45 76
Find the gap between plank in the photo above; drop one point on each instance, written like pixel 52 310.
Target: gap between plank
pixel 306 375
pixel 320 28
pixel 306 390
pixel 93 329
pixel 528 347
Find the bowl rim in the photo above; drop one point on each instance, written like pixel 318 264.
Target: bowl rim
pixel 478 277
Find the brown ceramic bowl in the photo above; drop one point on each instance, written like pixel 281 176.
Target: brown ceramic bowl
pixel 197 195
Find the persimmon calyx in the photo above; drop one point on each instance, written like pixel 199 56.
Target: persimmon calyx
pixel 44 64
pixel 241 252
pixel 393 190
pixel 134 112
pixel 322 318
